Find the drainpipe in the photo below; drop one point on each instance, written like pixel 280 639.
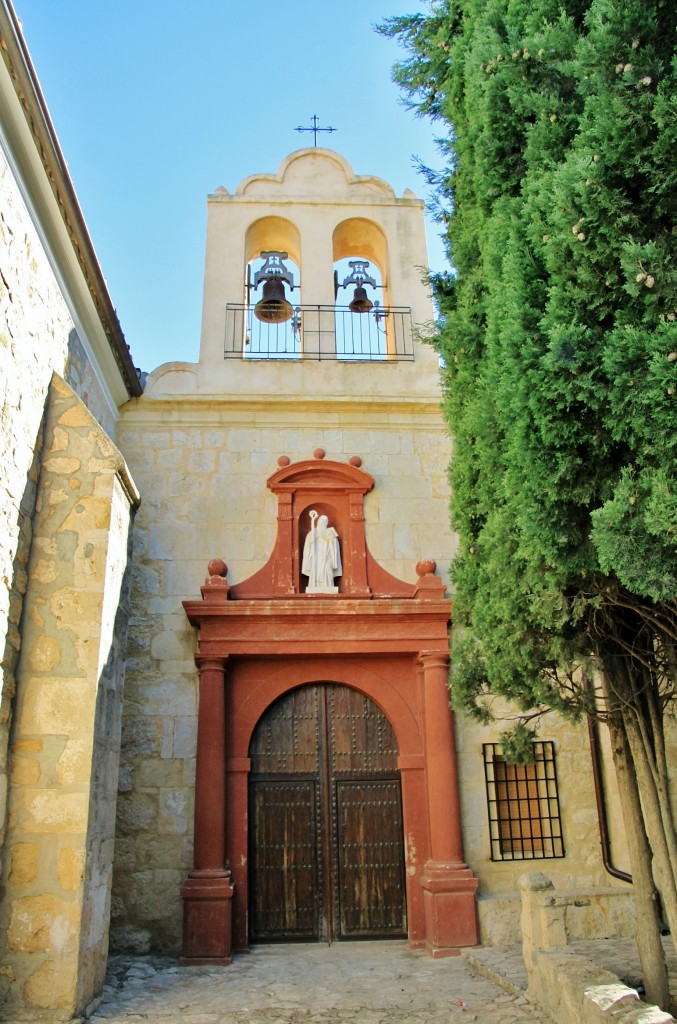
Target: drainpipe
pixel 605 843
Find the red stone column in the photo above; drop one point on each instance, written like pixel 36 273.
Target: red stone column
pixel 208 891
pixel 449 886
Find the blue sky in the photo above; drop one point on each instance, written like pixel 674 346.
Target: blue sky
pixel 158 103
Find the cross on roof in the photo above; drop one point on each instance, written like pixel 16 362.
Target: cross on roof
pixel 315 129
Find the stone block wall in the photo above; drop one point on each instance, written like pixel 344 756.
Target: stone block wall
pixel 202 467
pixel 35 325
pixel 65 737
pixel 572 988
pixel 37 337
pixel 582 865
pixel 567 986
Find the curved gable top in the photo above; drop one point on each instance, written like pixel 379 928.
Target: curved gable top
pixel 315 172
pixel 312 474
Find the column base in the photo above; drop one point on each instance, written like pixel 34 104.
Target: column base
pixel 450 905
pixel 207 918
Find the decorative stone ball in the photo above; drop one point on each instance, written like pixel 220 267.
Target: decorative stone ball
pixel 426 567
pixel 283 461
pixel 319 453
pixel 217 567
pixel 355 461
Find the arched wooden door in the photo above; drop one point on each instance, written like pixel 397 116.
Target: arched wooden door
pixel 326 856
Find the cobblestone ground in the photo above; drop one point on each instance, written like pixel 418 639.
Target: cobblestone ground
pixel 355 983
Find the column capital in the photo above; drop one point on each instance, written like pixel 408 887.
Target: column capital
pixel 211 662
pixel 434 659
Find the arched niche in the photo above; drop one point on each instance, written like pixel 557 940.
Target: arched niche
pixel 360 237
pixel 275 233
pixel 323 508
pixel 268 337
pixel 364 336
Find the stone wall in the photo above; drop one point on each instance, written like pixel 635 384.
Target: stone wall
pixel 34 331
pixel 65 737
pixel 570 987
pixel 202 467
pixel 79 372
pixel 582 865
pixel 37 338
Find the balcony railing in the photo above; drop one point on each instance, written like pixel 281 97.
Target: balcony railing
pixel 321 332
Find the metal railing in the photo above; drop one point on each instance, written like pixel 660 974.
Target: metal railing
pixel 321 332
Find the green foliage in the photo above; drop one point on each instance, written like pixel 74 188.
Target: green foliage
pixel 517 745
pixel 558 329
pixel 635 533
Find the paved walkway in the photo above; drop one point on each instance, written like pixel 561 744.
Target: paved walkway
pixel 347 983
pixel 350 983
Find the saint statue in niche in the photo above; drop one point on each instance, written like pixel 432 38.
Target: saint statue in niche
pixel 321 556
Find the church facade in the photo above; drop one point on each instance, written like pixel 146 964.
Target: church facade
pixel 227 598
pixel 239 451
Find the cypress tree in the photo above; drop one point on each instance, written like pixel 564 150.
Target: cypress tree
pixel 558 328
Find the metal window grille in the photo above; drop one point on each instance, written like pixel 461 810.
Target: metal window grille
pixel 523 803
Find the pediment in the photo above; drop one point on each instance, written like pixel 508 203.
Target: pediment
pixel 313 474
pixel 310 492
pixel 315 494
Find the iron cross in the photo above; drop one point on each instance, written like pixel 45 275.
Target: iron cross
pixel 315 129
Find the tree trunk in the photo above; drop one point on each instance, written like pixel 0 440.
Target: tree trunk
pixel 659 768
pixel 630 688
pixel 656 826
pixel 648 937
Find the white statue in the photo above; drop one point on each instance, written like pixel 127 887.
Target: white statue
pixel 321 556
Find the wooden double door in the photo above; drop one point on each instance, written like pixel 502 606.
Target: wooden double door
pixel 326 857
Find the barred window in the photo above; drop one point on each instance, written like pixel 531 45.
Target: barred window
pixel 524 815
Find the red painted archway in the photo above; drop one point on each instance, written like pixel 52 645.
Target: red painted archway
pixel 264 637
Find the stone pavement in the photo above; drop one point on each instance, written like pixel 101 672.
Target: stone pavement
pixel 347 983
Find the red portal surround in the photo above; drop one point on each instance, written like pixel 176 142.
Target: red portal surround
pixel 380 635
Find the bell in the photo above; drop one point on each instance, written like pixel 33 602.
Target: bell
pixel 361 302
pixel 273 307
